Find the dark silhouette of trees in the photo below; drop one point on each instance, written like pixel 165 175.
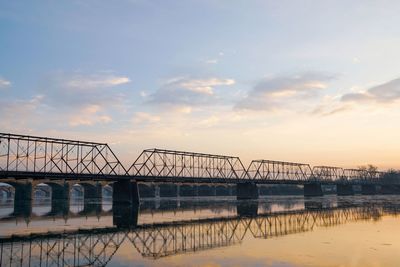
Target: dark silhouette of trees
pixel 392 176
pixel 370 172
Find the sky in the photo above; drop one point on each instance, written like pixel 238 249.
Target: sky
pixel 305 81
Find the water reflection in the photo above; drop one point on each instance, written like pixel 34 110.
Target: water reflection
pixel 65 234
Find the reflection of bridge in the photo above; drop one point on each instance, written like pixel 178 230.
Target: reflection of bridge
pixel 26 161
pixel 62 210
pixel 97 247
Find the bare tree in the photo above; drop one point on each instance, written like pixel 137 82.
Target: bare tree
pixel 368 172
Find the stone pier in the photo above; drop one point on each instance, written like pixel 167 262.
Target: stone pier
pixel 59 191
pixel 313 190
pixel 60 207
pixel 92 191
pixel 23 199
pixel 125 192
pixel 344 190
pixel 390 189
pixel 246 191
pixel 368 189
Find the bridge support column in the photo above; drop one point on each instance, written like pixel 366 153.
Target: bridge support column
pixel 390 189
pixel 91 191
pixel 60 207
pixel 313 190
pixel 59 191
pixel 125 192
pixel 23 192
pixel 368 189
pixel 344 190
pixel 246 191
pixel 23 199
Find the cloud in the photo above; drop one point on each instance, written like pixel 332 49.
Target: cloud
pixel 376 96
pixel 209 122
pixel 211 61
pixel 328 110
pixel 88 116
pixel 283 91
pixel 385 93
pixel 187 92
pixel 78 90
pixel 4 83
pixel 143 117
pixel 95 81
pixel 71 99
pixel 20 113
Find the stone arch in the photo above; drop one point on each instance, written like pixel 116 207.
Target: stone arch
pixel 92 196
pixel 59 190
pixel 107 190
pixel 23 196
pixel 107 195
pixel 77 190
pixel 42 190
pixel 6 190
pixel 60 196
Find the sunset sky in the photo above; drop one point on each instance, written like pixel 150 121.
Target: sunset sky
pixel 305 81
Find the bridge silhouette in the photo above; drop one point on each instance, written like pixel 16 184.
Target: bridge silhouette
pixel 96 247
pixel 26 161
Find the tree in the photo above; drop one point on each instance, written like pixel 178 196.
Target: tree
pixel 392 176
pixel 368 172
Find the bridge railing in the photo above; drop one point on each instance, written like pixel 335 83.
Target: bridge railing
pixel 33 154
pixel 169 163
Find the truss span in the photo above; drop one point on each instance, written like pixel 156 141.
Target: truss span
pixel 328 173
pixel 278 171
pixel 180 164
pixel 33 154
pixel 23 156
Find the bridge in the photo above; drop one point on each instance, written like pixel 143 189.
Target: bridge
pixel 96 247
pixel 27 161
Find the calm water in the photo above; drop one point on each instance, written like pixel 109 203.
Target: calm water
pixel 274 231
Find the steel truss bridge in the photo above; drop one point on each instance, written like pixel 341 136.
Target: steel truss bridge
pixel 38 158
pixel 96 247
